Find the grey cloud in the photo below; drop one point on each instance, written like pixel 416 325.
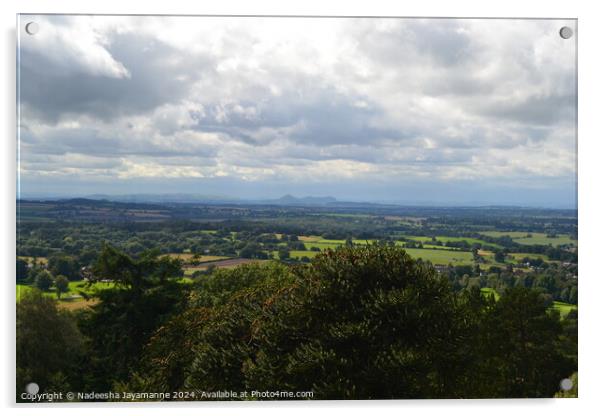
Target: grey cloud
pixel 98 143
pixel 438 42
pixel 322 117
pixel 50 163
pixel 458 83
pixel 532 111
pixel 158 74
pixel 444 41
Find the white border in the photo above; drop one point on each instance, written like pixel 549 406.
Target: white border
pixel 590 73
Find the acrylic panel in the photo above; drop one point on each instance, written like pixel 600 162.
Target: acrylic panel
pixel 295 208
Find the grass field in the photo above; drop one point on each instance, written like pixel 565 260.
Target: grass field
pixel 511 234
pixel 517 257
pixel 72 292
pixel 441 257
pixel 435 247
pixel 563 308
pixel 535 238
pixel 541 239
pixel 488 291
pixel 444 239
pixel 435 254
pixel 72 299
pixel 297 254
pixel 321 245
pixel 22 290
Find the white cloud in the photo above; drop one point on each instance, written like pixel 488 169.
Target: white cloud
pixel 315 100
pixel 78 45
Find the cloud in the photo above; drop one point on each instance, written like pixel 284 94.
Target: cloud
pixel 70 46
pixel 325 101
pixel 128 74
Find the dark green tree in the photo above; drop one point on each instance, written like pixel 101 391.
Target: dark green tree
pixel 64 265
pixel 61 284
pixel 523 355
pixel 148 270
pixel 361 322
pixel 43 280
pixel 283 254
pixel 48 343
pixel 209 345
pixel 499 256
pixel 22 270
pixel 122 322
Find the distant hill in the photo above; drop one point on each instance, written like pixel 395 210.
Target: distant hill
pixel 213 199
pixel 307 200
pixel 165 198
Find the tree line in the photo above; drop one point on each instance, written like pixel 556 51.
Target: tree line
pixel 358 322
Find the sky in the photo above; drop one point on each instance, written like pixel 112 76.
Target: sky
pixel 410 111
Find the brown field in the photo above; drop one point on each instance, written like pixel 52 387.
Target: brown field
pixel 39 260
pixel 188 257
pixel 309 238
pixel 228 263
pixel 75 304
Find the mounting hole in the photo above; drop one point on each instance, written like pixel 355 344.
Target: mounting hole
pixel 32 28
pixel 32 388
pixel 566 32
pixel 566 384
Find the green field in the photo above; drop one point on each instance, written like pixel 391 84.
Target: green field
pixel 534 238
pixel 322 245
pixel 541 239
pixel 337 242
pixel 517 257
pixel 73 291
pixel 441 257
pixel 443 239
pixel 436 254
pixel 511 234
pixel 297 254
pixel 435 247
pixel 22 290
pixel 72 299
pixel 563 308
pixel 488 291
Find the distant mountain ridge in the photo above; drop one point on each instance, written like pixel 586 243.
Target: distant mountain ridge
pixel 285 200
pixel 163 198
pixel 192 198
pixel 307 200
